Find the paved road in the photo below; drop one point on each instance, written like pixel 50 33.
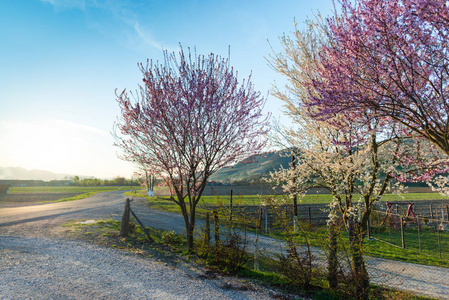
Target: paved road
pixel 424 280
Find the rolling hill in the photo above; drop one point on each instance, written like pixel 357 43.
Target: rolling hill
pixel 253 168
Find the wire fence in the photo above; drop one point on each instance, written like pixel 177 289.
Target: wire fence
pixel 400 225
pixel 409 228
pixel 421 234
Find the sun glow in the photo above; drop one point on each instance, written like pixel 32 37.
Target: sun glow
pixel 59 146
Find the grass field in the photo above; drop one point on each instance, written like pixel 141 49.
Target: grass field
pixel 308 199
pixel 45 194
pixel 60 189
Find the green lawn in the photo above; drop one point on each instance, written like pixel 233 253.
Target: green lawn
pixel 375 248
pixel 427 236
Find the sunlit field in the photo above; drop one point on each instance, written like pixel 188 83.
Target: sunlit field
pixel 42 194
pixel 60 189
pixel 257 199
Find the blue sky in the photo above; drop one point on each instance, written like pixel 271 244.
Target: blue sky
pixel 61 60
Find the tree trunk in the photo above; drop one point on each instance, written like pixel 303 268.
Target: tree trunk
pixel 361 278
pixel 190 237
pixel 189 229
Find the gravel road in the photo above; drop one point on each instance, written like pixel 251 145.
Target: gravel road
pixel 37 262
pixel 43 268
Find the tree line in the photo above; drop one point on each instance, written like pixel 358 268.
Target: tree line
pixel 118 181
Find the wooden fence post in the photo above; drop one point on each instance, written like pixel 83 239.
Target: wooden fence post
pixel 402 233
pixel 230 216
pixel 333 262
pixel 216 230
pixel 419 236
pixel 266 219
pixel 310 216
pixel 124 225
pixel 439 242
pixel 207 230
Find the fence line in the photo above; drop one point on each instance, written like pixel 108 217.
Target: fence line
pixel 417 233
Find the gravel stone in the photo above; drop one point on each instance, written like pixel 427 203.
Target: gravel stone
pixel 47 268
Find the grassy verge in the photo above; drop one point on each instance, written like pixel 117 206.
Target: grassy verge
pixel 171 249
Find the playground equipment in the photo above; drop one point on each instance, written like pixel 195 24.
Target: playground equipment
pixel 394 218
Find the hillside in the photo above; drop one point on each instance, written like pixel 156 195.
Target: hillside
pixel 24 174
pixel 253 168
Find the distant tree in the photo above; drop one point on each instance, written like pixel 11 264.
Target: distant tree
pixel 188 119
pixel 388 58
pixel 75 180
pixel 119 180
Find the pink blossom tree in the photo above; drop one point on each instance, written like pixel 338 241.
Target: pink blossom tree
pixel 388 58
pixel 189 118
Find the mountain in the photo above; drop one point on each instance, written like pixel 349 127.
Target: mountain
pixel 253 168
pixel 24 174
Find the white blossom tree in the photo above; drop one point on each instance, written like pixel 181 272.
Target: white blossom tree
pixel 355 165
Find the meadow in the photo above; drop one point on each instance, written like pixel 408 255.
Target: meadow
pixel 59 189
pixel 45 194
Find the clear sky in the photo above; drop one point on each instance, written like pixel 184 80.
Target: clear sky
pixel 61 61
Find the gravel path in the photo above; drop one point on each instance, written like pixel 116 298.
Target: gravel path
pixel 43 268
pixel 38 262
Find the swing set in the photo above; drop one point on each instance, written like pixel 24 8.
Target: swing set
pixel 394 219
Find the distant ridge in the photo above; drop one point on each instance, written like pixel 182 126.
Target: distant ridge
pixel 24 174
pixel 254 168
